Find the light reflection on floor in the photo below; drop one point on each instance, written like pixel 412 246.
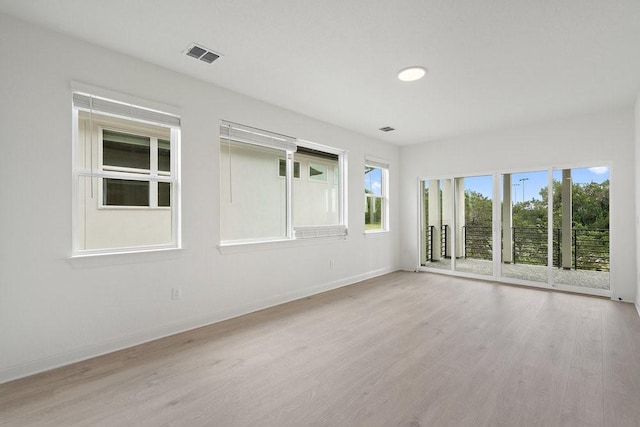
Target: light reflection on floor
pixel 536 273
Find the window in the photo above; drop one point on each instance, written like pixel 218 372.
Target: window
pixel 125 176
pixel 257 205
pixel 376 196
pixel 315 198
pixel 282 169
pixel 317 172
pixel 127 152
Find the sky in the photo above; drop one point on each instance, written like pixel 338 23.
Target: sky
pixel 530 183
pixel 373 181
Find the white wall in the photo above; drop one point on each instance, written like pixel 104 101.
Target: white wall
pixel 637 162
pixel 606 137
pixel 54 310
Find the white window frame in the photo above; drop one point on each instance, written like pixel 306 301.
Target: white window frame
pixel 148 174
pixel 384 196
pixel 135 110
pixel 300 232
pixel 284 159
pixel 340 230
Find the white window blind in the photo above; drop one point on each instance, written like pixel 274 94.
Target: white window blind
pixel 320 231
pixel 249 135
pixel 376 164
pixel 88 102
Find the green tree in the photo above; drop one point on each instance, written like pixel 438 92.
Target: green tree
pixel 478 210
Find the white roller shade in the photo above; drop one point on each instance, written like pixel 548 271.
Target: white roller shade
pixel 87 102
pixel 249 135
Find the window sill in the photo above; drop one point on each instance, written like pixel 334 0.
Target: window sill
pixel 376 234
pixel 131 256
pixel 240 247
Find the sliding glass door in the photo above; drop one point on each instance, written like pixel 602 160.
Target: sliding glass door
pixel 474 231
pixel 437 223
pixel 545 227
pixel 523 221
pixel 581 227
pixel 456 231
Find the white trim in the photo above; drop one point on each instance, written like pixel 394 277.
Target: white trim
pixel 83 353
pixel 80 87
pixel 320 147
pixel 375 162
pixel 637 305
pixel 82 92
pixel 255 136
pixel 120 251
pixel 111 107
pixel 375 234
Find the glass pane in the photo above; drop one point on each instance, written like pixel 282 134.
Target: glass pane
pixel 104 228
pixel 282 168
pixel 581 227
pixel 524 226
pixel 164 194
pixel 253 197
pixel 125 150
pixel 164 155
pixel 315 199
pixel 123 192
pixel 436 232
pixel 474 219
pixel 373 213
pixel 373 180
pixel 317 172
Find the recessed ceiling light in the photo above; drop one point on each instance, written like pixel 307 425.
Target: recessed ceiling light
pixel 412 74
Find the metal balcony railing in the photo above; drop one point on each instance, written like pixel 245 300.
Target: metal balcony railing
pixel 589 247
pixel 444 240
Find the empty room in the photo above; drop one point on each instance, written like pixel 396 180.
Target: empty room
pixel 337 213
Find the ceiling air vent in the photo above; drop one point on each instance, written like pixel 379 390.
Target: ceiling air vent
pixel 202 53
pixel 387 129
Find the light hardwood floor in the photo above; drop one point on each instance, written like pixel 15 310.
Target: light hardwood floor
pixel 410 349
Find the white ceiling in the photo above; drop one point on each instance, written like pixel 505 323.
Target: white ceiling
pixel 491 63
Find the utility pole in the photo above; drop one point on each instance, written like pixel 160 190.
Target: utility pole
pixel 523 180
pixel 514 192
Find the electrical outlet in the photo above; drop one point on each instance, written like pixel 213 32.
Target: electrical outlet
pixel 176 293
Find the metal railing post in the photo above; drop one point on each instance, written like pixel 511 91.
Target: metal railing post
pixel 513 241
pixel 575 249
pixel 431 243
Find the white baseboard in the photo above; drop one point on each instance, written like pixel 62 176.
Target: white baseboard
pixel 109 346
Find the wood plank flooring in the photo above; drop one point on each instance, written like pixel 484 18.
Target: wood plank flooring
pixel 404 349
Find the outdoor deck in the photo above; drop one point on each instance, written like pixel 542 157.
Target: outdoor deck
pixel 536 273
